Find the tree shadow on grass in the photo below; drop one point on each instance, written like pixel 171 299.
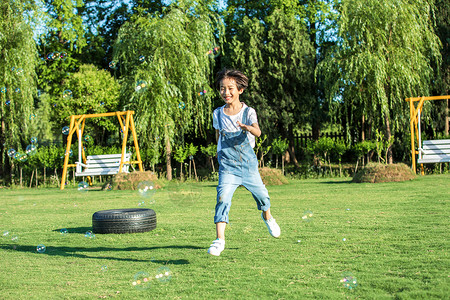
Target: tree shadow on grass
pixel 336 182
pixel 78 252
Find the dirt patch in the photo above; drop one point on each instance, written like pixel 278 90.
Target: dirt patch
pixel 271 176
pixel 130 181
pixel 375 172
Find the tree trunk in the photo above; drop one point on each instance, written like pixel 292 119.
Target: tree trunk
pixel 44 176
pixel 363 123
pixel 168 157
pixel 389 158
pixel 212 164
pixel 190 163
pixel 195 170
pixel 31 180
pixel 290 153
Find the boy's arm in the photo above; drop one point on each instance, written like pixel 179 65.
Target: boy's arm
pixel 253 129
pixel 217 135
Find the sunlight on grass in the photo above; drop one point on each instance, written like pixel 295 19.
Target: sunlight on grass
pixel 338 240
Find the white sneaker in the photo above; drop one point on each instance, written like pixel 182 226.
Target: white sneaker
pixel 273 227
pixel 216 247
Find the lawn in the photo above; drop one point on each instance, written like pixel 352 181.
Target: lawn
pixel 392 237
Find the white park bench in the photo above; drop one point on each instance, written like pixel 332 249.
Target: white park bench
pixel 107 164
pixel 434 151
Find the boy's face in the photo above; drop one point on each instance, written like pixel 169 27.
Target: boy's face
pixel 229 91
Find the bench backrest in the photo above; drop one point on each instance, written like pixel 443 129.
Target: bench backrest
pixel 435 151
pixel 107 164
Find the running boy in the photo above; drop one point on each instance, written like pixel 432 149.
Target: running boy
pixel 236 126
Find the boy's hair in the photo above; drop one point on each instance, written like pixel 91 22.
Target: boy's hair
pixel 238 76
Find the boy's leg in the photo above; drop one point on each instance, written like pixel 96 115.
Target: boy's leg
pixel 266 214
pixel 254 184
pixel 220 230
pixel 228 183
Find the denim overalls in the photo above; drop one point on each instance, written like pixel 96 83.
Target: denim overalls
pixel 238 165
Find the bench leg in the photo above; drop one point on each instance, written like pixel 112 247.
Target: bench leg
pixel 421 170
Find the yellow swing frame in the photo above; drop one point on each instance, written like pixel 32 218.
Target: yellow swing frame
pixel 126 123
pixel 414 122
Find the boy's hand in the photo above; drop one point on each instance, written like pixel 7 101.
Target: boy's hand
pixel 243 126
pixel 253 129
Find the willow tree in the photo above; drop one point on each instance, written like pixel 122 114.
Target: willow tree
pixel 165 61
pixel 18 58
pixel 384 54
pixel 277 57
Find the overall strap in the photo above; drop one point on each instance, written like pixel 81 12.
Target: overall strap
pixel 219 118
pixel 244 116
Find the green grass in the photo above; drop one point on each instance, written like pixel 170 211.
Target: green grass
pixel 396 243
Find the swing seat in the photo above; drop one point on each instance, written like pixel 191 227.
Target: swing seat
pixel 107 164
pixel 434 151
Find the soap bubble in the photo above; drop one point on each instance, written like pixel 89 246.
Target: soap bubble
pixel 201 93
pixel 31 150
pixel 307 216
pixel 32 116
pixel 113 64
pixel 17 90
pixel 34 140
pixel 52 56
pixel 15 238
pixel 108 187
pixel 3 89
pixel 213 52
pixel 104 268
pixel 89 234
pixel 11 152
pixel 163 274
pixel 22 158
pixel 141 280
pixel 66 130
pixel 63 55
pixel 41 248
pixel 67 94
pixel 7 102
pixel 181 105
pixel 87 138
pixel 348 280
pixel 17 155
pixel 19 71
pixel 146 189
pixel 70 153
pixel 64 231
pixel 141 85
pixel 83 186
pixel 183 194
pixel 5 233
pixel 141 58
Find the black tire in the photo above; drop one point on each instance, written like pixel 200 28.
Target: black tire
pixel 128 220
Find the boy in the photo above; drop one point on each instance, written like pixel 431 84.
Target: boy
pixel 236 126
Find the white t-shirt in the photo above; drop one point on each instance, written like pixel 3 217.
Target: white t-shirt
pixel 229 122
